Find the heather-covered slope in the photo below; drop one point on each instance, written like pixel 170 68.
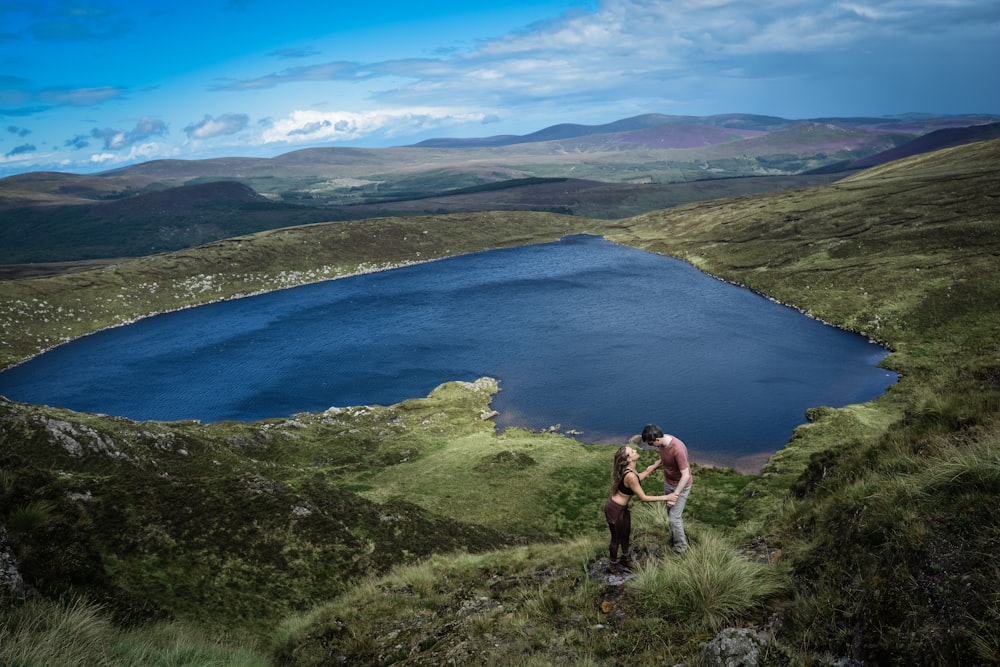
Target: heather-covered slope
pixel 932 141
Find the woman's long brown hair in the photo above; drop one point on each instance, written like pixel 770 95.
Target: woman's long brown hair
pixel 618 471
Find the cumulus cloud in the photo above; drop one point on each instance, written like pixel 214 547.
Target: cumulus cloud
pixel 628 55
pixel 208 127
pixel 137 153
pixel 18 131
pixel 602 60
pixel 116 140
pixel 102 158
pixel 634 48
pixel 320 126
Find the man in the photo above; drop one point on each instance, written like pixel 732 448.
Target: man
pixel 677 479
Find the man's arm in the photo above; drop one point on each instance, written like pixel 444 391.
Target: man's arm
pixel 681 485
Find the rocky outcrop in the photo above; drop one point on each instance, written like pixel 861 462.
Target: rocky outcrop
pixel 733 647
pixel 11 583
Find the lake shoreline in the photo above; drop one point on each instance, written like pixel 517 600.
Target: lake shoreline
pixel 749 462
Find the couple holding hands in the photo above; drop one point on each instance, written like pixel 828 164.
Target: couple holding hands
pixel 625 483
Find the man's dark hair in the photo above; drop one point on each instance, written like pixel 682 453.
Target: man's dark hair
pixel 651 432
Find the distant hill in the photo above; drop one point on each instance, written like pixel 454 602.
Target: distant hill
pixel 946 138
pixel 907 123
pixel 190 215
pixel 143 224
pixel 614 170
pixel 635 124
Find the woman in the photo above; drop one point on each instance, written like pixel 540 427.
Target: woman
pixel 624 484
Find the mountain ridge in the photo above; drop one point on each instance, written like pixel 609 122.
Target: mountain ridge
pixel 750 122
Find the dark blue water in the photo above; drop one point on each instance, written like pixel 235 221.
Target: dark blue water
pixel 592 336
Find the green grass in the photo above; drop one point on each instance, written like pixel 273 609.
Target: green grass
pixel 470 479
pixel 903 530
pixel 709 587
pixel 40 633
pixel 532 605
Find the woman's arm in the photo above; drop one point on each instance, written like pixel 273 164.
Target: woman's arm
pixel 650 469
pixel 632 482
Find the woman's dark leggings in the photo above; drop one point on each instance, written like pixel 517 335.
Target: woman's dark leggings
pixel 620 525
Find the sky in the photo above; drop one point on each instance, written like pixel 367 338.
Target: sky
pixel 92 85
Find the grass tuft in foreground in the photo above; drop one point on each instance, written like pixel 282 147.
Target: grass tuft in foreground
pixel 707 588
pixel 43 633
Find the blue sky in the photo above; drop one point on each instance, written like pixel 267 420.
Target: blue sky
pixel 91 85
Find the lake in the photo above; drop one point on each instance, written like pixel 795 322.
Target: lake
pixel 582 333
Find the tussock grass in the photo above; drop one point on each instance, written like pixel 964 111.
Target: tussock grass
pixel 543 604
pixel 41 633
pixel 31 516
pixel 708 587
pixel 986 637
pixel 531 603
pixel 904 545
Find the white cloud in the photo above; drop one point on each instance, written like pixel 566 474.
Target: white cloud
pixel 311 126
pixel 116 139
pixel 136 153
pixel 685 49
pixel 616 58
pixel 209 127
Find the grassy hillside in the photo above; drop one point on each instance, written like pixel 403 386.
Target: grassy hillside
pixel 413 534
pixel 190 215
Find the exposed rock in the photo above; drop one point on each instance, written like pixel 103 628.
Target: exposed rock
pixel 733 647
pixel 11 582
pixel 483 384
pixel 161 441
pixel 76 438
pixel 478 605
pixel 258 485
